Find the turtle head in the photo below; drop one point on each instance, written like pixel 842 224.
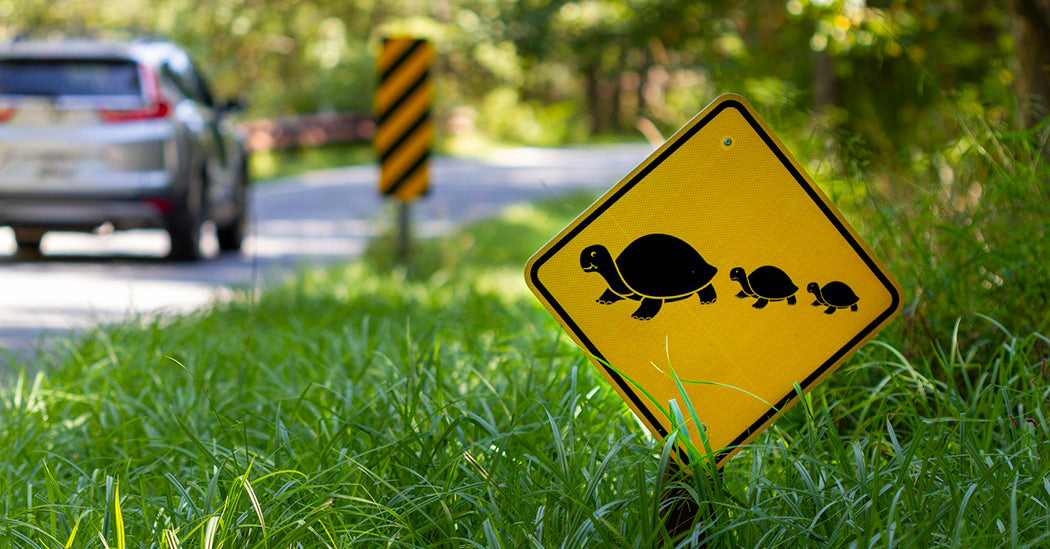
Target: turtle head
pixel 813 288
pixel 737 274
pixel 595 258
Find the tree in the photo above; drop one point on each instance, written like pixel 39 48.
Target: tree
pixel 1031 31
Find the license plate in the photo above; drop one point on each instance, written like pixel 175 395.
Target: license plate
pixel 56 166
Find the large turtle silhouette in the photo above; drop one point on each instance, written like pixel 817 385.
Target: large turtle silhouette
pixel 653 269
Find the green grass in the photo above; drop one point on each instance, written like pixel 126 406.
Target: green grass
pixel 284 163
pixel 437 405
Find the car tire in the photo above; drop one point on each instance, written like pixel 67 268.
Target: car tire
pixel 184 226
pixel 231 235
pixel 28 241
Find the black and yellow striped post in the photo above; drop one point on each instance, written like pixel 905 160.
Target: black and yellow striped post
pixel 404 132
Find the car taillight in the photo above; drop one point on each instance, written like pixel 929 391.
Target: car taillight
pixel 6 113
pixel 156 106
pixel 159 109
pixel 161 204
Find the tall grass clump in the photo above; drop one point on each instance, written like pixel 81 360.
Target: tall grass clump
pixel 969 235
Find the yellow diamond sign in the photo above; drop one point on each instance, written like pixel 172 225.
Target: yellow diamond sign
pixel 717 261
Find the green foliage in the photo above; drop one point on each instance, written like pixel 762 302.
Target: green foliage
pixel 503 115
pixel 888 76
pixel 283 163
pixel 973 240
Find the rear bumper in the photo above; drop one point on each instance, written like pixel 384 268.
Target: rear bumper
pixel 85 211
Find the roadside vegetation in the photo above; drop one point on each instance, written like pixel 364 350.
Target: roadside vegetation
pixel 882 79
pixel 276 164
pixel 437 405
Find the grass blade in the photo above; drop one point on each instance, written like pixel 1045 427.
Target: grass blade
pixel 171 540
pixel 73 532
pixel 118 516
pixel 208 535
pixel 255 504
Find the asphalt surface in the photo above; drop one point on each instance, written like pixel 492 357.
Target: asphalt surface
pixel 83 280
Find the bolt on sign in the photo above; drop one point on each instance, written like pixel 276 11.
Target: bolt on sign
pixel 404 132
pixel 718 262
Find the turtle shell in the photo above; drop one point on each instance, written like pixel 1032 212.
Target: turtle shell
pixel 660 265
pixel 838 294
pixel 771 283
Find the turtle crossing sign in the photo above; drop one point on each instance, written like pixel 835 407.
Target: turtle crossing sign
pixel 717 272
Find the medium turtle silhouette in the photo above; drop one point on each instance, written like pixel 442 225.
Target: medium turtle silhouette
pixel 765 284
pixel 653 269
pixel 834 295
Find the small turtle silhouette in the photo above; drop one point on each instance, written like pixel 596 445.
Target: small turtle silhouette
pixel 766 284
pixel 653 269
pixel 834 295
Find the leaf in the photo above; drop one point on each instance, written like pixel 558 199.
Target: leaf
pixel 490 535
pixel 255 503
pixel 208 536
pixel 171 540
pixel 118 516
pixel 73 533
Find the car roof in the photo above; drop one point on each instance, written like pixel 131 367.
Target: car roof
pixel 143 50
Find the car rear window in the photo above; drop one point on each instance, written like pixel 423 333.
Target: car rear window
pixel 56 77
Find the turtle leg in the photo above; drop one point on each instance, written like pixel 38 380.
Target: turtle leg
pixel 707 294
pixel 791 300
pixel 648 308
pixel 829 310
pixel 853 307
pixel 609 296
pixel 762 302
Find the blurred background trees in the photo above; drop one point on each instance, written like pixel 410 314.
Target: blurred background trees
pixel 889 74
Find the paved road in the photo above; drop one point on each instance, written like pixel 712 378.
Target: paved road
pixel 83 280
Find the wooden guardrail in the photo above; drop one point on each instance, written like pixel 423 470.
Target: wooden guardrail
pixel 308 130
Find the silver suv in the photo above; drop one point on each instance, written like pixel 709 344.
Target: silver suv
pixel 125 134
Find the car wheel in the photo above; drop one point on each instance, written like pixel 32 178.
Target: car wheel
pixel 28 241
pixel 231 235
pixel 184 226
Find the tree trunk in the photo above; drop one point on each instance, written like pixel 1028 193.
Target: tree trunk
pixel 825 87
pixel 643 81
pixel 1031 30
pixel 616 102
pixel 591 89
